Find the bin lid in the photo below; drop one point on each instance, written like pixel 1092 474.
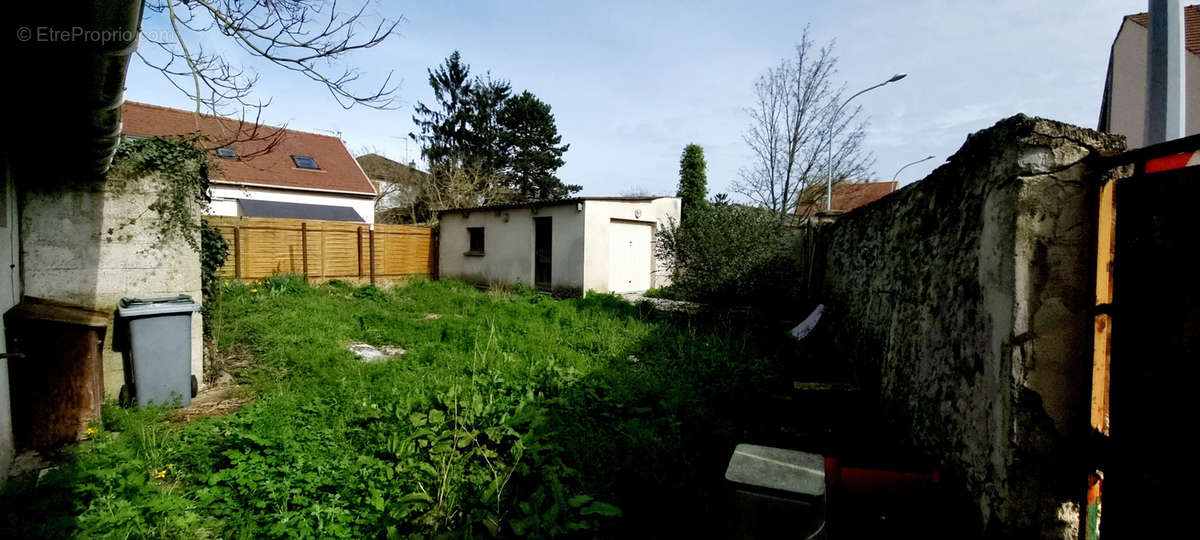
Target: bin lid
pixel 791 471
pixel 159 305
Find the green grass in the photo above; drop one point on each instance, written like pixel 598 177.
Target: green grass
pixel 511 414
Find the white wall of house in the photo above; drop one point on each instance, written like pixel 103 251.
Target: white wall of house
pixel 10 294
pixel 225 196
pixel 76 249
pixel 625 221
pixel 508 246
pixel 594 243
pixel 1127 109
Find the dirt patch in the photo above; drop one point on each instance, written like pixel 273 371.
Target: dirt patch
pixel 222 394
pixel 214 401
pixel 224 361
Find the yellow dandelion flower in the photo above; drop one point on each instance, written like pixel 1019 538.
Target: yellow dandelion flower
pixel 91 431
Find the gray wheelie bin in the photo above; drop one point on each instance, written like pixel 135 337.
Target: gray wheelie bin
pixel 155 337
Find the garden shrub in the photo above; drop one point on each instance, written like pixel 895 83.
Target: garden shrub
pixel 731 254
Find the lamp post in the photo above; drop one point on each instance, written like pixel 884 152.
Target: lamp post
pixel 926 158
pixel 832 119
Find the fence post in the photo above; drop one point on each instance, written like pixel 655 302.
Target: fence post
pixel 304 246
pixel 237 253
pixel 372 242
pixel 435 248
pixel 360 252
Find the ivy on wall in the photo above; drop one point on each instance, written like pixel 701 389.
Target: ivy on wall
pixel 181 169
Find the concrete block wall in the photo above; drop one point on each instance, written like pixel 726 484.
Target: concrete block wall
pixel 965 301
pixel 92 244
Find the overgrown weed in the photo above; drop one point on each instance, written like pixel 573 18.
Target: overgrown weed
pixel 511 414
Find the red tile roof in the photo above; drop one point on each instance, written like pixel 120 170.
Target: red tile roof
pixel 846 196
pixel 272 168
pixel 1191 26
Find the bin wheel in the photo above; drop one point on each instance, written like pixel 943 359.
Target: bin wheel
pixel 195 386
pixel 124 398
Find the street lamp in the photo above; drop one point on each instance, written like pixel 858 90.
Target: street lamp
pixel 927 158
pixel 832 119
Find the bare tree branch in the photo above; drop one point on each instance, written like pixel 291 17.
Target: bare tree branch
pixel 303 36
pixel 789 131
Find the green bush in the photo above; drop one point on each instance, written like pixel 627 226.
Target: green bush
pixel 731 255
pixel 213 252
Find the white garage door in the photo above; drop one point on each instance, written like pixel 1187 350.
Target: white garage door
pixel 630 256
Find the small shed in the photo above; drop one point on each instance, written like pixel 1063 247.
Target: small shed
pixel 602 244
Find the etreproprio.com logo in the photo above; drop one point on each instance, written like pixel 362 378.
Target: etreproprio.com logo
pixel 79 34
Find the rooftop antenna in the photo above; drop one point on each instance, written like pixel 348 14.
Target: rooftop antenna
pixel 407 160
pixel 337 133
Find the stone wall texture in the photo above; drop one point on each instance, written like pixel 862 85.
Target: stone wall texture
pixel 965 300
pixel 92 244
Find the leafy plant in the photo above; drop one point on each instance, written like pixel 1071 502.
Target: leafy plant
pixel 729 254
pixel 180 169
pixel 693 180
pixel 213 252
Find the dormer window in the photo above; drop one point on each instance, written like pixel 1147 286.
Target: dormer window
pixel 305 162
pixel 226 152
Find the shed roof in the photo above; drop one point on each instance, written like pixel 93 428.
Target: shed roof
pixel 555 202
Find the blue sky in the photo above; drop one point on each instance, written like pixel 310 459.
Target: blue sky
pixel 631 83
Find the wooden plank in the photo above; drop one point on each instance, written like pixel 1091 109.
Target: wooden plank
pixel 304 246
pixel 1102 337
pixel 1101 347
pixel 237 254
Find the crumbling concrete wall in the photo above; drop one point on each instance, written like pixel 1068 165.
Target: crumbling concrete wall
pixel 965 301
pixel 90 244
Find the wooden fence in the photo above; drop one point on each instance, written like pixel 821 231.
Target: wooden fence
pixel 324 250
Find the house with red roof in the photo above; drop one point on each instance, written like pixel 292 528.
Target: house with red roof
pixel 846 196
pixel 1123 106
pixel 264 171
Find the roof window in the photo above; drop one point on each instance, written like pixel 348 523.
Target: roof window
pixel 226 152
pixel 305 162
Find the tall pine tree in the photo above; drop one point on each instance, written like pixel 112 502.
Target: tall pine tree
pixel 484 147
pixel 534 148
pixel 444 129
pixel 508 144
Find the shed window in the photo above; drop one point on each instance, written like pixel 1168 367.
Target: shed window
pixel 476 235
pixel 305 162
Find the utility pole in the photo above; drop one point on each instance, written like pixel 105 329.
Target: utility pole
pixel 1165 85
